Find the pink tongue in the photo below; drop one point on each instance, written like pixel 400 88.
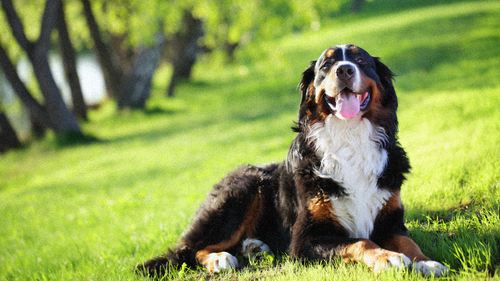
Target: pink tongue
pixel 348 105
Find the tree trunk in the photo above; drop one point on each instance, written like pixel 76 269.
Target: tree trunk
pixel 60 118
pixel 69 62
pixel 36 111
pixel 184 50
pixel 8 137
pixel 137 87
pixel 113 76
pixel 127 72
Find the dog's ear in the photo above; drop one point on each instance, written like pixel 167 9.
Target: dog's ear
pixel 307 78
pixel 389 99
pixel 384 74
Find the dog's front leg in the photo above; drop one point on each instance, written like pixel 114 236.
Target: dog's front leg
pixel 423 264
pixel 320 241
pixel 376 258
pixel 356 250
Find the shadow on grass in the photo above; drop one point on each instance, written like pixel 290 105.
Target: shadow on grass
pixel 387 6
pixel 71 139
pixel 244 102
pixel 465 236
pixel 264 267
pixel 156 110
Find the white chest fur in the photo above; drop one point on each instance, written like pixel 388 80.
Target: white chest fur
pixel 352 156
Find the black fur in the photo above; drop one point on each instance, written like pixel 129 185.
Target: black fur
pixel 283 191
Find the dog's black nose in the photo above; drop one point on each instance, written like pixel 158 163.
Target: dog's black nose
pixel 345 71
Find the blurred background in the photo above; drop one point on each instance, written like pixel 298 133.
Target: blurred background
pixel 60 59
pixel 63 58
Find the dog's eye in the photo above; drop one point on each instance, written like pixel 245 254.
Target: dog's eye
pixel 327 64
pixel 360 60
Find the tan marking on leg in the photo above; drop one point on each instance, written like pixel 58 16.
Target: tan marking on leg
pixel 399 243
pixel 357 251
pixel 394 202
pixel 391 205
pixel 366 251
pixel 321 208
pixel 405 245
pixel 247 228
pixel 210 266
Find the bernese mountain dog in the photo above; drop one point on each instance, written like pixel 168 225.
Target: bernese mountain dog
pixel 337 194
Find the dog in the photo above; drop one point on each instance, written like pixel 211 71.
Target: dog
pixel 337 193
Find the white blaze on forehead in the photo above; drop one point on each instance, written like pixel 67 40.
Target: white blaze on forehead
pixel 343 47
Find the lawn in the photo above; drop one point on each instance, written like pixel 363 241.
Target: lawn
pixel 92 212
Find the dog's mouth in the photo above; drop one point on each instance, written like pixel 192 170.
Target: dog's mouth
pixel 347 103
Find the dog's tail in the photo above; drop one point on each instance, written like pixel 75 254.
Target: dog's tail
pixel 173 259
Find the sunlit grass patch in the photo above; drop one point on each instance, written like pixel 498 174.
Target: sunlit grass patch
pixel 466 238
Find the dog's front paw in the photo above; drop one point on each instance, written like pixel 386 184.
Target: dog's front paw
pixel 217 262
pixel 431 268
pixel 253 248
pixel 380 260
pixel 398 261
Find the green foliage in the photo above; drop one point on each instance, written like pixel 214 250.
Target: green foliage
pixel 228 21
pixel 31 16
pixel 94 211
pixel 137 22
pixel 241 21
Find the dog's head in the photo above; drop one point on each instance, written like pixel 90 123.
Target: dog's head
pixel 348 83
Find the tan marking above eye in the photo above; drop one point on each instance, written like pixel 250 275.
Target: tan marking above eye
pixel 329 53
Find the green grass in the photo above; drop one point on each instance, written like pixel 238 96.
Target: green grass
pixel 93 211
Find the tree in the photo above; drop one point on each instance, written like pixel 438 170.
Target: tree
pixel 8 137
pixel 183 49
pixel 69 62
pixel 129 85
pixel 122 33
pixel 37 111
pixel 121 30
pixel 113 75
pixel 53 114
pixel 136 88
